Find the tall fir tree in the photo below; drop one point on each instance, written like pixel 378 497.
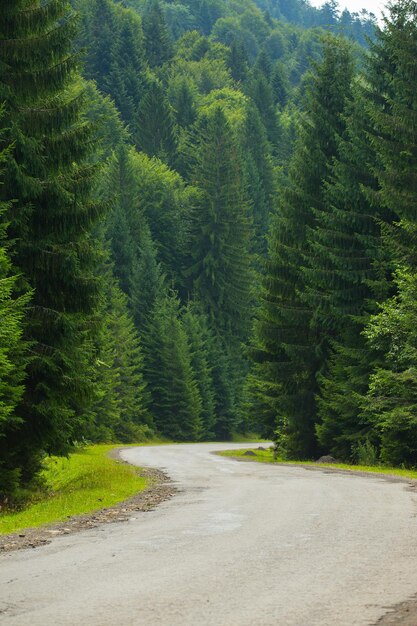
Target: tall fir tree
pixel 222 232
pixel 157 134
pixel 238 61
pixel 127 77
pixel 158 42
pixel 258 175
pixel 121 365
pixel 175 398
pixel 287 346
pixel 147 282
pixel 262 95
pixel 352 271
pixel 390 403
pixel 51 222
pixel 199 339
pixel 119 188
pixel 97 35
pixel 184 104
pixel 13 353
pixel 280 84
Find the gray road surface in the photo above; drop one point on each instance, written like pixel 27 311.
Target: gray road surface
pixel 242 544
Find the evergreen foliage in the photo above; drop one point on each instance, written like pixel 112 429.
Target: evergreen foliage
pixel 288 347
pixel 251 169
pixel 221 234
pixel 49 174
pixel 121 406
pixel 389 404
pixel 355 272
pixel 156 125
pixel 13 357
pixel 176 403
pixel 158 43
pixel 199 339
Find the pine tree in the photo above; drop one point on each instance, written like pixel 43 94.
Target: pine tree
pixel 287 348
pixel 199 339
pixel 97 35
pixel 175 399
pixel 184 104
pixel 352 272
pixel 390 403
pixel 238 61
pixel 156 125
pixel 280 84
pixel 262 95
pixel 121 189
pixel 135 421
pixel 51 222
pixel 221 269
pixel 158 43
pixel 258 174
pixel 147 282
pixel 127 75
pixel 12 358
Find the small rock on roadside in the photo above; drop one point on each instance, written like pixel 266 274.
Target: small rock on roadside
pixel 249 453
pixel 327 459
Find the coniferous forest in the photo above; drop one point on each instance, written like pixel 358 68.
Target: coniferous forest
pixel 208 226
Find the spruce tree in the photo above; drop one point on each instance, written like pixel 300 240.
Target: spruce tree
pixel 127 75
pixel 158 44
pixel 287 346
pixel 352 271
pixel 97 35
pixel 262 95
pixel 258 174
pixel 135 421
pixel 146 283
pixel 280 84
pixel 199 339
pixel 184 104
pixel 221 239
pixel 175 399
pixel 390 403
pixel 394 117
pixel 156 134
pixel 51 222
pixel 263 65
pixel 119 188
pixel 238 61
pixel 12 358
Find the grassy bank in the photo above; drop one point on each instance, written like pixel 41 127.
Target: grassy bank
pixel 266 456
pixel 85 482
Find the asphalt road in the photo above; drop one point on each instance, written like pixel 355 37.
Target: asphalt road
pixel 241 544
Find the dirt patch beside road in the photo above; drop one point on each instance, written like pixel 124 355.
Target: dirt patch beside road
pixel 160 489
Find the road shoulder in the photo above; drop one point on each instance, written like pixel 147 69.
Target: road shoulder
pixel 160 489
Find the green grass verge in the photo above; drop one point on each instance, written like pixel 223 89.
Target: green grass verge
pixel 266 456
pixel 85 482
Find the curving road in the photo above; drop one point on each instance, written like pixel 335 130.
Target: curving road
pixel 241 544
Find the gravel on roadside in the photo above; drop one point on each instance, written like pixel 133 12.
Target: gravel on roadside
pixel 160 489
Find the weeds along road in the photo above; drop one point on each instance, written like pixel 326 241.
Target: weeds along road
pixel 241 544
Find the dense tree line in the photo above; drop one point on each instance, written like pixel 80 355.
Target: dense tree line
pixel 333 345
pixel 201 233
